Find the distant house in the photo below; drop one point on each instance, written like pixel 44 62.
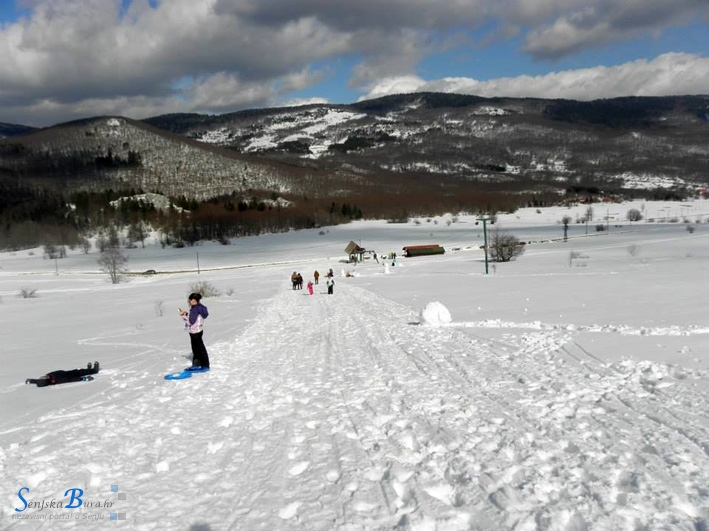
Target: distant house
pixel 355 252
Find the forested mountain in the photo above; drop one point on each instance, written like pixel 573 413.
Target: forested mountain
pixel 501 144
pixel 517 144
pixel 389 157
pixel 8 130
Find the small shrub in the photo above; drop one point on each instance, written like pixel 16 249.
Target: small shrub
pixel 28 293
pixel 690 229
pixel 634 215
pixel 633 250
pixel 504 247
pixel 573 255
pixel 205 288
pixel 113 262
pixel 159 308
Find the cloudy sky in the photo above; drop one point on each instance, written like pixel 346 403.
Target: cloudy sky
pixel 66 59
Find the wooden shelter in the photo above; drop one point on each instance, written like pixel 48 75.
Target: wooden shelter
pixel 355 252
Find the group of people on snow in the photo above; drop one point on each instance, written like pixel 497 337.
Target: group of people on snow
pixel 297 281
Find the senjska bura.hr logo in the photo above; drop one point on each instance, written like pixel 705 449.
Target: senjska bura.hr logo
pixel 66 508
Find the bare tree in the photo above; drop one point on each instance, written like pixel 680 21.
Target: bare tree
pixel 113 262
pixel 504 247
pixel 85 244
pixel 589 213
pixel 634 215
pixel 565 221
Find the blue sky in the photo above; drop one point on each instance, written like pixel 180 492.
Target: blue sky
pixel 69 59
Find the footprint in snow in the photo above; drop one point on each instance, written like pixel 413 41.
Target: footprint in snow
pixel 377 473
pixel 213 448
pixel 289 511
pixel 444 493
pixel 365 507
pixel 298 469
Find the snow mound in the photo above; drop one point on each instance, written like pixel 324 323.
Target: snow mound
pixel 435 314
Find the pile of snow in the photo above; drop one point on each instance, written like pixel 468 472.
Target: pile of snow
pixel 435 314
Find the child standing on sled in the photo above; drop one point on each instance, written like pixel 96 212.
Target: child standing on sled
pixel 194 324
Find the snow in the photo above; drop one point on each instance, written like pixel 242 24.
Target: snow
pixel 159 201
pixel 566 390
pixel 435 314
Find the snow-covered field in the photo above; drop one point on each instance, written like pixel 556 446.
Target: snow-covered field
pixel 567 390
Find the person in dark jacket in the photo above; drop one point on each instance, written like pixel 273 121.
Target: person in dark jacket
pixel 60 377
pixel 194 324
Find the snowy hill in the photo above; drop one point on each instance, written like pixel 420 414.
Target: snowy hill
pixel 560 395
pixel 633 143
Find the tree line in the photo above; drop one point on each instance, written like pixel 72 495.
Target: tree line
pixel 33 216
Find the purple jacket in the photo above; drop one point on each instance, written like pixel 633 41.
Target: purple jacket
pixel 194 322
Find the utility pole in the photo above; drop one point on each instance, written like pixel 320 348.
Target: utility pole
pixel 485 219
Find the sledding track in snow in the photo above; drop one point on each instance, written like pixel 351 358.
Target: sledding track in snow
pixel 343 412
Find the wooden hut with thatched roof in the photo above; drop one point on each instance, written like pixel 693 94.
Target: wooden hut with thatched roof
pixel 355 252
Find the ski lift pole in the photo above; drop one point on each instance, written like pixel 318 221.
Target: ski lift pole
pixel 485 220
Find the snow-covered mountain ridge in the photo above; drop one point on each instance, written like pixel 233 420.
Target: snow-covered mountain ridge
pixel 638 142
pixel 415 144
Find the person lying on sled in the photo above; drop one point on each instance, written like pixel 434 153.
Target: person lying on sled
pixel 60 377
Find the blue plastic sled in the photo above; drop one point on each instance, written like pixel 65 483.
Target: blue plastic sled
pixel 187 373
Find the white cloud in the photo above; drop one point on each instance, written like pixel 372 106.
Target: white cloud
pixel 69 56
pixel 571 27
pixel 667 74
pixel 299 102
pixel 396 85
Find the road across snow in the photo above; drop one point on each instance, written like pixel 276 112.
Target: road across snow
pixel 347 412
